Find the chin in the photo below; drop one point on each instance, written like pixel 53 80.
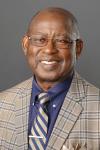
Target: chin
pixel 48 77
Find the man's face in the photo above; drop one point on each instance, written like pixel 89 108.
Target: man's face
pixel 50 62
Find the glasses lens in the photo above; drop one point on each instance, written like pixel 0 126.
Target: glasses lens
pixel 38 40
pixel 63 43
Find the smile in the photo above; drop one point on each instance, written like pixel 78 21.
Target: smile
pixel 48 62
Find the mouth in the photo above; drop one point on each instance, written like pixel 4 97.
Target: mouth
pixel 49 62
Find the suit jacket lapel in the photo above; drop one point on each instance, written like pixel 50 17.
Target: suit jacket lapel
pixel 68 114
pixel 22 113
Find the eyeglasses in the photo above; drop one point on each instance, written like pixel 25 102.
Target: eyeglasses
pixel 60 42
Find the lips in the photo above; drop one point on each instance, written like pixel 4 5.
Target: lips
pixel 49 62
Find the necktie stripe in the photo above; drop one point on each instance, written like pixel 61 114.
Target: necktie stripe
pixel 39 127
pixel 44 126
pixel 42 96
pixel 36 145
pixel 34 132
pixel 37 132
pixel 35 140
pixel 40 140
pixel 40 147
pixel 43 100
pixel 40 132
pixel 33 144
pixel 43 129
pixel 43 114
pixel 42 119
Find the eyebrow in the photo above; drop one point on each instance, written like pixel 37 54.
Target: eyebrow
pixel 56 34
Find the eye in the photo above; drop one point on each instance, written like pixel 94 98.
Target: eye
pixel 62 41
pixel 42 40
pixel 39 40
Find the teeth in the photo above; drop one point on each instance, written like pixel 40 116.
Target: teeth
pixel 48 62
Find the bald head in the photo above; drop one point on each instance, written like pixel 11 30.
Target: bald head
pixel 53 12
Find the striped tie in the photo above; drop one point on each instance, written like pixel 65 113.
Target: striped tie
pixel 37 139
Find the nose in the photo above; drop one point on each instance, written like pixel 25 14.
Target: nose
pixel 50 48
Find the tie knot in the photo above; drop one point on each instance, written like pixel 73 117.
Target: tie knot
pixel 43 98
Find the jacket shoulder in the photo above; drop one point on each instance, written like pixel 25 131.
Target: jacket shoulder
pixel 10 93
pixel 88 87
pixel 91 89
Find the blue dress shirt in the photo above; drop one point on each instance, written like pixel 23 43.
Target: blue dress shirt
pixel 57 95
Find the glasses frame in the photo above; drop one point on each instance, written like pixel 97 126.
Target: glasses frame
pixel 68 46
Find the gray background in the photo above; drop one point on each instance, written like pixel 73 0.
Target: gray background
pixel 14 18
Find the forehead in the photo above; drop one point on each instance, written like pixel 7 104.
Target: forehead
pixel 51 22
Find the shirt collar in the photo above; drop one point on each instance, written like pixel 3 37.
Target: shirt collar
pixel 52 92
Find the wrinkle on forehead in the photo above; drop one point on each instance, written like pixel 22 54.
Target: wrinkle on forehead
pixel 54 16
pixel 52 21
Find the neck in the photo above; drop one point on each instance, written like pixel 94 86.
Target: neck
pixel 46 85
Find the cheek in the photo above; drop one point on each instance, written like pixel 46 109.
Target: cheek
pixel 31 58
pixel 69 60
pixel 68 57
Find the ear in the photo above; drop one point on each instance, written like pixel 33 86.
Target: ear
pixel 25 44
pixel 79 47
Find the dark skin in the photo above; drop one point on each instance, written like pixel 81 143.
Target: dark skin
pixel 49 64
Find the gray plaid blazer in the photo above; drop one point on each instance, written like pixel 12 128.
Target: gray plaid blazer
pixel 77 126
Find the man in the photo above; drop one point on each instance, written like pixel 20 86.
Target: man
pixel 70 117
